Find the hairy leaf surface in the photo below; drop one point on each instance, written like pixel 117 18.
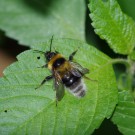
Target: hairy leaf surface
pixel 24 110
pixel 113 25
pixel 124 116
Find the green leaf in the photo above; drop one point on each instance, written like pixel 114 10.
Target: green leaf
pixel 30 21
pixel 124 115
pixel 132 56
pixel 25 110
pixel 113 25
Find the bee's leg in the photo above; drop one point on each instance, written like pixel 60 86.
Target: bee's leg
pixel 56 52
pixel 89 78
pixel 44 66
pixel 38 51
pixel 46 79
pixel 72 55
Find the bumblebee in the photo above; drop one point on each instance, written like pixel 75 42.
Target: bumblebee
pixel 65 73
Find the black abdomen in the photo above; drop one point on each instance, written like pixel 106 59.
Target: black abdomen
pixel 69 79
pixel 74 84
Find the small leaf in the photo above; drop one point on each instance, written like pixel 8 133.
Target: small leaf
pixel 30 21
pixel 124 115
pixel 113 25
pixel 30 111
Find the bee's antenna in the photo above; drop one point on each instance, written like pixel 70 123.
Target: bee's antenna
pixel 51 43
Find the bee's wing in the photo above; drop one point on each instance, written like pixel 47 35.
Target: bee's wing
pixel 59 86
pixel 78 70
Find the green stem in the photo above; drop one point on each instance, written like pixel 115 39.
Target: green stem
pixel 122 61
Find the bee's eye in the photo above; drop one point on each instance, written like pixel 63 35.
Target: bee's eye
pixel 49 55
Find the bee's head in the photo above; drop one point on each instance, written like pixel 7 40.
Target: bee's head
pixel 49 55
